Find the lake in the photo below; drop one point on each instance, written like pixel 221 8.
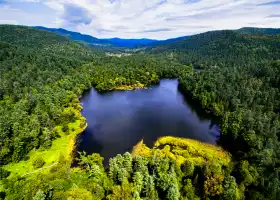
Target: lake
pixel 118 120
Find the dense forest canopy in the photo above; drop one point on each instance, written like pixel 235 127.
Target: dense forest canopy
pixel 223 48
pixel 258 31
pixel 43 75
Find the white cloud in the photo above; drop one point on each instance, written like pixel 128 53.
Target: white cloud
pixel 54 5
pixel 159 19
pixel 29 0
pixel 9 22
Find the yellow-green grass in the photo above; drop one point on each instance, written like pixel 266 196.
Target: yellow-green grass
pixel 194 150
pixel 62 146
pixel 140 149
pixel 182 149
pixel 130 87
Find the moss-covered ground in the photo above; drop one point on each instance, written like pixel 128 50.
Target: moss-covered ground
pixel 182 149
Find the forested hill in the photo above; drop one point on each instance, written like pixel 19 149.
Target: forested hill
pixel 35 51
pixel 222 48
pixel 87 39
pixel 31 62
pixel 29 37
pixel 256 31
pixel 90 40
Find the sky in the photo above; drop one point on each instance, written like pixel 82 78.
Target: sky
pixel 154 19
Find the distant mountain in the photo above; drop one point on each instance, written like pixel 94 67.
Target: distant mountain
pixel 77 36
pixel 130 42
pixel 112 42
pixel 199 42
pixel 252 30
pixel 163 42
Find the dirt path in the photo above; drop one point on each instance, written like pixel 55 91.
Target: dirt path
pixel 40 169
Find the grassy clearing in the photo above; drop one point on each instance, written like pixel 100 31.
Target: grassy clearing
pixel 182 149
pixel 140 149
pixel 62 146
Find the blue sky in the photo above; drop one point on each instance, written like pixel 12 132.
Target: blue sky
pixel 156 19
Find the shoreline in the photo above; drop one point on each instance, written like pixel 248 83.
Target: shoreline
pixel 64 146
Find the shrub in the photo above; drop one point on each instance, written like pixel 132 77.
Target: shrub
pixel 4 173
pixel 38 162
pixel 65 129
pixel 40 195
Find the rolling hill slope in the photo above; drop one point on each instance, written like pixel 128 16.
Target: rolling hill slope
pixel 222 47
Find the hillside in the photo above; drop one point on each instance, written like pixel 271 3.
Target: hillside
pixel 87 39
pixel 30 60
pixel 255 31
pixel 222 48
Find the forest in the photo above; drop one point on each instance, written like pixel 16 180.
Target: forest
pixel 43 75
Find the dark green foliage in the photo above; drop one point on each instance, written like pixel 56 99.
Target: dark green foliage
pixel 245 99
pixel 31 101
pixel 188 168
pixel 222 48
pixel 238 82
pixel 231 190
pixel 3 173
pixel 258 31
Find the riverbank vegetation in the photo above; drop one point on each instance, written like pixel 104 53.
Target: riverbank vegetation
pixel 43 75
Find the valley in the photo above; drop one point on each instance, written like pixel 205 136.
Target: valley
pixel 55 91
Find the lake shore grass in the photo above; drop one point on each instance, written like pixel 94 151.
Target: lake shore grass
pixel 194 149
pixel 184 149
pixel 130 87
pixel 64 146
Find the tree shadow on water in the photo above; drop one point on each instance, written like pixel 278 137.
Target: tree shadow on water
pixel 86 142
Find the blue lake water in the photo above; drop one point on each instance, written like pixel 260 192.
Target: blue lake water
pixel 117 120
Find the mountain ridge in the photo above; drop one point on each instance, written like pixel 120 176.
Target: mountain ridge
pixel 145 42
pixel 91 40
pixel 254 30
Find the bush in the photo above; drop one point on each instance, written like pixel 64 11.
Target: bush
pixel 188 168
pixel 2 195
pixel 4 173
pixel 38 162
pixel 65 129
pixel 40 195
